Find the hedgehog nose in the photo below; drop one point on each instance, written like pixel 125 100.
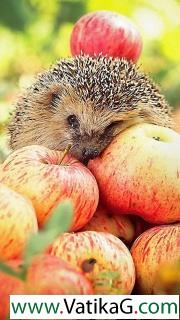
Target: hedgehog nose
pixel 89 153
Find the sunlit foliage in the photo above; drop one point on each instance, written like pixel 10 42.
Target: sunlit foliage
pixel 34 33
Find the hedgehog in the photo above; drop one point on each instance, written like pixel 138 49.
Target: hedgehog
pixel 84 102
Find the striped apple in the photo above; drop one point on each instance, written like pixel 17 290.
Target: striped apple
pixel 103 258
pixel 139 173
pixel 107 33
pixel 51 275
pixel 9 285
pixel 40 174
pixel 152 251
pixel 17 221
pixel 120 226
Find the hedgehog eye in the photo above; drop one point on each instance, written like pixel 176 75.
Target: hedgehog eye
pixel 73 121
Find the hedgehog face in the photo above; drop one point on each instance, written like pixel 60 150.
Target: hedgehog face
pixel 88 129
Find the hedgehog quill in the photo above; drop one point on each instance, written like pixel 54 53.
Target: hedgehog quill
pixel 85 101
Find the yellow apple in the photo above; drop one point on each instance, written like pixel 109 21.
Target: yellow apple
pixel 103 258
pixel 17 221
pixel 152 251
pixel 9 285
pixel 139 173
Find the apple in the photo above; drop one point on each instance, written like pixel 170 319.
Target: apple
pixel 140 225
pixel 103 258
pixel 46 275
pixel 139 173
pixel 107 33
pixel 151 252
pixel 168 279
pixel 118 225
pixel 9 285
pixel 51 275
pixel 17 221
pixel 40 174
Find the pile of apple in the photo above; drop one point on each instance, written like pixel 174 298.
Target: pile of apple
pixel 126 209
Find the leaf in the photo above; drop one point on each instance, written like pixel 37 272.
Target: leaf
pixel 106 278
pixel 8 270
pixel 61 217
pixel 22 13
pixel 111 275
pixel 58 223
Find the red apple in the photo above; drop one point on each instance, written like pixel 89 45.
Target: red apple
pixel 17 221
pixel 100 256
pixel 151 252
pixel 139 173
pixel 107 33
pixel 51 275
pixel 9 285
pixel 38 173
pixel 118 225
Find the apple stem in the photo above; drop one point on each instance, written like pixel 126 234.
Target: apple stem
pixel 65 153
pixel 156 138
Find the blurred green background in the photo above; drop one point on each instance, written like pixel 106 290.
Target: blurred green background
pixel 34 33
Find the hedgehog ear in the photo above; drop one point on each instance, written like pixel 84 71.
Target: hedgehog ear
pixel 55 92
pixel 49 94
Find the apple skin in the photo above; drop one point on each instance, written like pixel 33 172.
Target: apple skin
pixel 106 33
pixel 141 175
pixel 9 285
pixel 46 275
pixel 140 226
pixel 51 275
pixel 118 225
pixel 168 279
pixel 95 253
pixel 34 171
pixel 151 252
pixel 17 221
